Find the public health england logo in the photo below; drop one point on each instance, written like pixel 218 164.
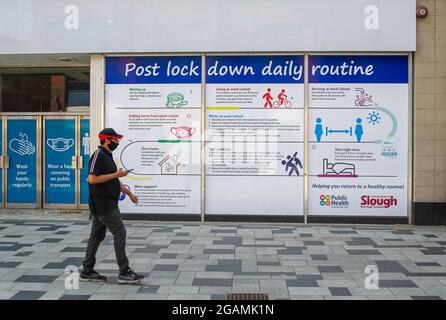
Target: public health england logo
pixel 325 200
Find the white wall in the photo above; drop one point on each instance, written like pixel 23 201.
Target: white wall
pixel 99 26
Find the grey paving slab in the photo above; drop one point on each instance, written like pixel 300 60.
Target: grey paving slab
pixel 75 297
pixel 397 284
pixel 145 296
pixel 426 298
pixel 35 279
pixel 208 260
pixel 107 296
pixel 339 291
pixel 176 289
pixel 28 295
pixel 301 282
pixel 306 291
pixel 330 269
pixel 212 282
pixel 215 289
pixel 165 267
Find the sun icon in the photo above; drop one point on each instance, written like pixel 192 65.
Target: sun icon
pixel 374 117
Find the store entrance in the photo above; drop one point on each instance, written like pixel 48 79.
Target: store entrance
pixel 44 161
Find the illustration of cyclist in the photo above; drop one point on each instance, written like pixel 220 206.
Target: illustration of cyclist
pixel 282 97
pixel 282 100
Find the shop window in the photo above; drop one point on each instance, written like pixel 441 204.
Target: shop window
pixel 44 89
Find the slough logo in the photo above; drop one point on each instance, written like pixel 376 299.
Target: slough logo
pixel 325 200
pixel 378 201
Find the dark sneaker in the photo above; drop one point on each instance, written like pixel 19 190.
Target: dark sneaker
pixel 92 276
pixel 130 277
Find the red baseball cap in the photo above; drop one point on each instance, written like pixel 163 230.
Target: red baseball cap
pixel 109 133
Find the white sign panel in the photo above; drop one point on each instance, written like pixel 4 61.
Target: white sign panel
pixel 358 135
pixel 155 102
pixel 254 135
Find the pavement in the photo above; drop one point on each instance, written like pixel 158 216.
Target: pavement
pixel 205 261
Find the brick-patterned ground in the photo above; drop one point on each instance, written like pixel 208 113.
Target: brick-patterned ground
pixel 206 261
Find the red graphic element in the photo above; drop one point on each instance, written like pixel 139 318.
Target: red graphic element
pixel 283 100
pixel 282 96
pixel 378 201
pixel 268 97
pixel 182 132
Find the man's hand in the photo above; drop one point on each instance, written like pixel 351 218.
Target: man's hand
pixel 121 173
pixel 134 198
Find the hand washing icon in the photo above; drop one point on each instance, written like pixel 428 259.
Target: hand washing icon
pixel 60 144
pixel 22 146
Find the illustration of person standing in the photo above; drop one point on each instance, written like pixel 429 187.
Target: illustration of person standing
pixel 268 97
pixel 86 144
pixel 290 164
pixel 358 129
pixel 318 131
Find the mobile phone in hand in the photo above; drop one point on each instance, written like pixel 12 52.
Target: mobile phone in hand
pixel 130 170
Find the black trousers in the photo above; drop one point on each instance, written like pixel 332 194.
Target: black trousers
pixel 100 223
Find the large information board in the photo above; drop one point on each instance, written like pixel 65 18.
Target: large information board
pixel 155 102
pixel 358 135
pixel 254 135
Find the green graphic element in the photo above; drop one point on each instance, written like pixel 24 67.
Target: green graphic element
pixel 175 100
pixel 172 141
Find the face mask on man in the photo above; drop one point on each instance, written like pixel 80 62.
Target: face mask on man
pixel 112 145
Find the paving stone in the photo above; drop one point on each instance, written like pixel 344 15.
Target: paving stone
pixel 305 291
pixel 75 297
pixel 397 284
pixel 339 291
pixel 165 267
pixel 27 295
pixel 212 282
pixel 363 252
pixel 36 279
pixel 107 296
pixel 330 269
pixel 9 265
pixel 301 283
pixel 426 298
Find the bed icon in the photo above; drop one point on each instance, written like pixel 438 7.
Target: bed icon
pixel 338 169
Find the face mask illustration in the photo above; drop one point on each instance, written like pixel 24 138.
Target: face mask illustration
pixel 183 132
pixel 60 144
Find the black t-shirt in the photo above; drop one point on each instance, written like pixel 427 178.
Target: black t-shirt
pixel 103 196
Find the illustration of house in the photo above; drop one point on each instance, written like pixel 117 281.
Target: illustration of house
pixel 169 165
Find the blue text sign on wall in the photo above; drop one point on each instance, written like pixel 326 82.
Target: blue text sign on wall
pixel 59 148
pixel 254 69
pixel 85 154
pixel 358 69
pixel 22 152
pixel 165 69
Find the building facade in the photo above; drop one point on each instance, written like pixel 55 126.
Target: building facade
pixel 303 111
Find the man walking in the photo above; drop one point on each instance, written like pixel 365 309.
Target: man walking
pixel 104 190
